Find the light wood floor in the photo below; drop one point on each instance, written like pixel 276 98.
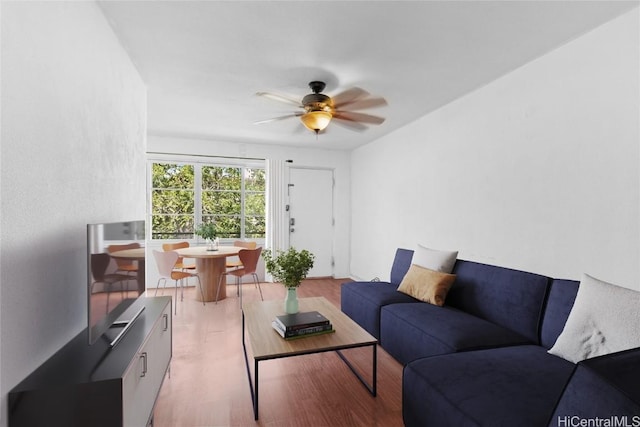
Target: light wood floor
pixel 208 385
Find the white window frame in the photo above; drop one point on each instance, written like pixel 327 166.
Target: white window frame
pixel 198 163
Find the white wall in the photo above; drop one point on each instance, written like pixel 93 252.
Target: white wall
pixel 338 161
pixel 72 153
pixel 538 170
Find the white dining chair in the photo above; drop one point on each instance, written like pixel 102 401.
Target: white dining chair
pixel 180 264
pixel 166 261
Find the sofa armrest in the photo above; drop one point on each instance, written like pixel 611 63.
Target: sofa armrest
pixel 602 387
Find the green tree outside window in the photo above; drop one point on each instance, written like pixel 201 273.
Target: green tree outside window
pixel 232 197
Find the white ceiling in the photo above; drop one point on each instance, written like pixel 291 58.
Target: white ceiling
pixel 203 61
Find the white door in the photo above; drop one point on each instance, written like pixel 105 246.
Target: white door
pixel 311 216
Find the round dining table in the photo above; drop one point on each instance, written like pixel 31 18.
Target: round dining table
pixel 210 265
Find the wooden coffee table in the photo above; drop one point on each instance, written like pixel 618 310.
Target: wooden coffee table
pixel 266 344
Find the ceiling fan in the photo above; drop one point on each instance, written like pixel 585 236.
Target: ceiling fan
pixel 318 109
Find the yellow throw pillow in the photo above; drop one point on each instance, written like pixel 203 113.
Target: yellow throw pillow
pixel 426 285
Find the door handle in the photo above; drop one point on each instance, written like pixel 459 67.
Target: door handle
pixel 292 229
pixel 292 221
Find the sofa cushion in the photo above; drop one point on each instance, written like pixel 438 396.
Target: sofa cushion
pixel 434 259
pixel 620 370
pixel 412 331
pixel 401 264
pixel 426 285
pixel 560 299
pixel 515 386
pixel 361 301
pixel 611 384
pixel 510 298
pixel 604 319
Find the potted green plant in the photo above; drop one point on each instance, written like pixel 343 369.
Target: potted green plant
pixel 290 268
pixel 208 232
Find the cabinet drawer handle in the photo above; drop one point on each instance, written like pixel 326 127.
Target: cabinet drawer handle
pixel 165 318
pixel 143 356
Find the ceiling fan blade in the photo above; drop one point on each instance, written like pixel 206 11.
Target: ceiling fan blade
pixel 363 104
pixel 280 98
pixel 275 119
pixel 351 125
pixel 349 96
pixel 358 117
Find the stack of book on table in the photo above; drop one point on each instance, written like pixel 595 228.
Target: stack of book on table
pixel 302 324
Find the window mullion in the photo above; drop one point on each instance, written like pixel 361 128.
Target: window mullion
pixel 242 199
pixel 197 194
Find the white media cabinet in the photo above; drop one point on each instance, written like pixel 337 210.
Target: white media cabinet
pixel 97 385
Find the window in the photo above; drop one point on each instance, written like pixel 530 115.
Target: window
pixel 184 195
pixel 172 201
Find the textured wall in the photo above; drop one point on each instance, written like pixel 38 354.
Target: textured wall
pixel 538 170
pixel 73 152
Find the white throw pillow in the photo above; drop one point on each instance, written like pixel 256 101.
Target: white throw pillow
pixel 605 319
pixel 442 261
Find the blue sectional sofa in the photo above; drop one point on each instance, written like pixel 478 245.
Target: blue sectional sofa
pixel 482 359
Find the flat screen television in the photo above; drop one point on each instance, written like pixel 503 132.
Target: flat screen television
pixel 115 265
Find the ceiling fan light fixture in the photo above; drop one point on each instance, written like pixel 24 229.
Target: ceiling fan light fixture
pixel 316 121
pixel 319 109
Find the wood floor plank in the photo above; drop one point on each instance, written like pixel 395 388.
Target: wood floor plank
pixel 208 385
